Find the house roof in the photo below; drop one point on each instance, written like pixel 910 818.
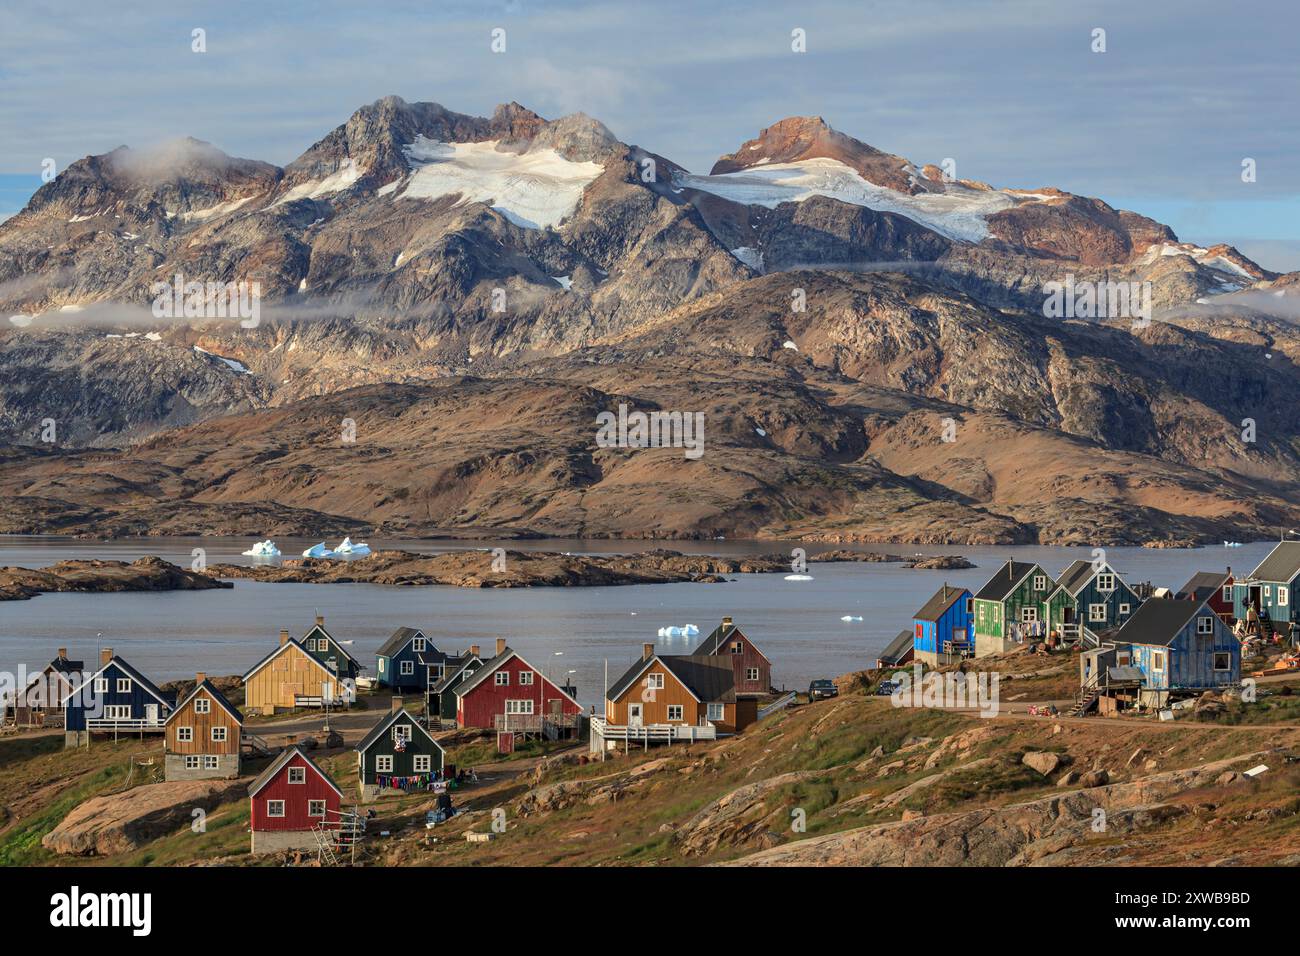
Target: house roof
pixel 897 649
pixel 454 666
pixel 1282 563
pixel 215 694
pixel 343 650
pixel 1125 673
pixel 280 649
pixel 718 638
pixel 938 605
pixel 381 727
pixel 399 639
pixel 1203 585
pixel 1074 577
pixel 278 763
pixel 492 665
pixel 1004 581
pixel 1158 621
pixel 705 676
pixel 135 675
pixel 60 665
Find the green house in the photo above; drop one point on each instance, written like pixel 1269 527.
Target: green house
pixel 442 694
pixel 398 755
pixel 1089 594
pixel 1011 607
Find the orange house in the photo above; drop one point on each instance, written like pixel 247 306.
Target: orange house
pixel 203 735
pixel 684 690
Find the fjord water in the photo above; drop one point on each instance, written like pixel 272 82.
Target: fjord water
pixel 171 635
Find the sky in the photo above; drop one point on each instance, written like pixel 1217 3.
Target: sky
pixel 1013 91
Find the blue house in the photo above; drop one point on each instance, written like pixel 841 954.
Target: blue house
pixel 942 630
pixel 409 662
pixel 116 699
pixel 1180 648
pixel 1269 591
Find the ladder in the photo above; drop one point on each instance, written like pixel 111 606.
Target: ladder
pixel 1087 696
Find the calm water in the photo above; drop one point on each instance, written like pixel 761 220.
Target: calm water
pixel 797 624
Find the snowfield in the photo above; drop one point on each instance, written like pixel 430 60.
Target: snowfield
pixel 958 213
pixel 535 189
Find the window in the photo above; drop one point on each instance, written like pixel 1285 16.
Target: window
pixel 316 808
pixel 674 711
pixel 654 681
pixel 124 685
pixel 1029 614
pixel 1125 609
pixel 191 761
pixel 101 685
pixel 117 711
pixel 1096 612
pixel 1268 589
pixel 423 763
pixel 1205 625
pixel 210 762
pixel 417 645
pixel 1227 593
pixel 382 662
pixel 1223 661
pixel 970 606
pixel 980 613
pixel 297 774
pixel 202 706
pixel 737 647
pixel 1283 595
pixel 1040 582
pixel 408 667
pixel 519 707
pixel 184 734
pixel 219 735
pixel 502 678
pixel 384 763
pixel 1157 660
pixel 1123 659
pixel 275 808
pixel 1105 582
pixel 525 678
pixel 751 673
pixel 401 732
pixel 717 711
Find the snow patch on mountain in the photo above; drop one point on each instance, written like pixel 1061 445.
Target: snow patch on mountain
pixel 337 181
pixel 959 212
pixel 750 257
pixel 221 209
pixel 535 189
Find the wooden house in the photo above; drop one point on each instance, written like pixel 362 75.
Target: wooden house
pixel 1181 648
pixel 203 735
pixel 1213 587
pixel 408 662
pixel 291 677
pixel 40 702
pixel 941 629
pixel 1009 609
pixel 326 649
pixel 289 801
pixel 116 699
pixel 752 669
pixel 1089 594
pixel 442 693
pixel 508 693
pixel 679 691
pixel 898 652
pixel 398 755
pixel 1269 591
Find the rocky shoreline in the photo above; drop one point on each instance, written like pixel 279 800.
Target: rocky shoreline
pixel 93 576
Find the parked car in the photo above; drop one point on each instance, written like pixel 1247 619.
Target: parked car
pixel 821 689
pixel 886 688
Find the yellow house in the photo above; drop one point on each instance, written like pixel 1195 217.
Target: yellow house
pixel 290 677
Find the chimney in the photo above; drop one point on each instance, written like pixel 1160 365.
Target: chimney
pixel 397 703
pixel 320 620
pixel 473 649
pixel 501 645
pixel 726 622
pixel 284 636
pixel 105 656
pixel 647 651
pixel 63 652
pixel 199 678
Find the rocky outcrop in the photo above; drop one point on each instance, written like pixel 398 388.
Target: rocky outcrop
pixel 143 574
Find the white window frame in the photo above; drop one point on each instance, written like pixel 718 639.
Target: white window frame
pixel 383 763
pixel 1040 582
pixel 1125 609
pixel 418 645
pixel 124 685
pixel 295 772
pixel 525 678
pixel 202 705
pixel 1106 581
pixel 1227 593
pixel 1268 590
pixel 211 762
pixel 271 808
pixel 717 712
pixel 184 735
pixel 1283 595
pixel 737 647
pixel 654 681
pixel 117 711
pixel 423 763
pixel 676 712
pixel 1029 614
pixel 219 735
pixel 382 662
pixel 501 678
pixel 1205 624
pixel 520 708
pixel 408 668
pixel 1158 661
pixel 752 673
pixel 101 685
pixel 315 803
pixel 1097 613
pixel 191 761
pixel 401 732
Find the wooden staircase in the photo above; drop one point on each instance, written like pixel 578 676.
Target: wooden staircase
pixel 254 745
pixel 1086 699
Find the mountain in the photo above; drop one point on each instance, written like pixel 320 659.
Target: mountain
pixel 477 289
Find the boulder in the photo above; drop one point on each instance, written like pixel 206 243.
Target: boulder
pixel 1068 779
pixel 1045 762
pixel 1094 778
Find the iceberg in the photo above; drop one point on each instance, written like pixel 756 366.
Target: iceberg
pixel 798 577
pixel 263 549
pixel 318 551
pixel 347 547
pixel 672 631
pixel 848 618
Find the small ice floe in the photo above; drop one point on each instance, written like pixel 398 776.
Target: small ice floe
pixel 1232 544
pixel 672 631
pixel 798 577
pixel 318 551
pixel 347 547
pixel 263 549
pixel 849 618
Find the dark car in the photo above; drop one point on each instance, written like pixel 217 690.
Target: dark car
pixel 821 689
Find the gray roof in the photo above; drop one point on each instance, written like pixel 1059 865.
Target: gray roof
pixel 937 606
pixel 1282 563
pixel 1004 581
pixel 1158 621
pixel 454 666
pixel 897 649
pixel 489 665
pixel 716 639
pixel 1203 585
pixel 708 677
pixel 1074 577
pixel 400 638
pixel 1125 673
pixel 285 756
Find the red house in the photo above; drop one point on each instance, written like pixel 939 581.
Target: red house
pixel 1214 587
pixel 290 799
pixel 508 693
pixel 752 669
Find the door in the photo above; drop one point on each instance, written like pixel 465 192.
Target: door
pixel 1067 615
pixel 634 715
pixel 151 713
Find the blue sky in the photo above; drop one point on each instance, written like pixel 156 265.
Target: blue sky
pixel 1159 123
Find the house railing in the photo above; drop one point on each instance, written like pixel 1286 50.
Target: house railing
pixel 310 700
pixel 652 733
pixel 779 704
pixel 107 723
pixel 534 723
